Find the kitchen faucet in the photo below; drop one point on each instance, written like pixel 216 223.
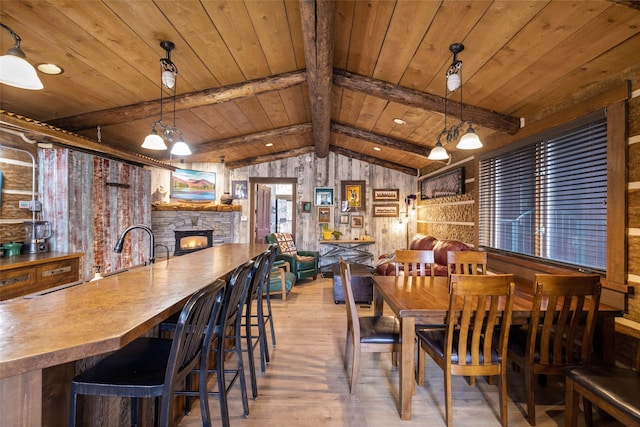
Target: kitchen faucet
pixel 118 248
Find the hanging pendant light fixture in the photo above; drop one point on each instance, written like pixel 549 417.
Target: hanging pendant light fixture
pixel 171 135
pixel 469 140
pixel 15 70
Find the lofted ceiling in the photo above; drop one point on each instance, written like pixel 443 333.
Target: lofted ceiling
pixel 308 76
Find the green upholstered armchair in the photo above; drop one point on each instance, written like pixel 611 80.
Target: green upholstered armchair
pixel 281 280
pixel 303 263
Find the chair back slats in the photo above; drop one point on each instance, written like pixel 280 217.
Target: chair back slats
pixel 238 283
pixel 482 306
pixel 415 262
pixel 466 262
pixel 562 323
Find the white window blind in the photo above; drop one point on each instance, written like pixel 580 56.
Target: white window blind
pixel 547 198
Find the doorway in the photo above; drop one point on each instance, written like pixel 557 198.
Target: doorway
pixel 273 207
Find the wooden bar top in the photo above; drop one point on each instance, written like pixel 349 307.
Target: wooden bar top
pixel 104 315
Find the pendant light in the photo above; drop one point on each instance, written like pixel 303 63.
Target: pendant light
pixel 469 140
pixel 15 70
pixel 157 140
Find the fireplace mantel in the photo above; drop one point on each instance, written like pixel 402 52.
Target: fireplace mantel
pixel 205 207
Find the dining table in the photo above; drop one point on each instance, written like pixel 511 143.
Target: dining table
pixel 425 300
pixel 43 336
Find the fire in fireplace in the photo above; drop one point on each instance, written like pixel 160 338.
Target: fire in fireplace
pixel 188 241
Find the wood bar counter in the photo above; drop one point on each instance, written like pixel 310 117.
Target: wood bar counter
pixel 95 318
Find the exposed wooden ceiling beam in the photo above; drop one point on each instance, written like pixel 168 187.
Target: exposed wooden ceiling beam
pixel 426 101
pixel 252 138
pixel 117 115
pixel 317 29
pixel 374 160
pixel 385 141
pixel 269 157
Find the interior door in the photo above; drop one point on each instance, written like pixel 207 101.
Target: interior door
pixel 263 212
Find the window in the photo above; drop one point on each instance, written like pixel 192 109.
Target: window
pixel 547 198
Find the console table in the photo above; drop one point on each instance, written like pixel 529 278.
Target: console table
pixel 353 251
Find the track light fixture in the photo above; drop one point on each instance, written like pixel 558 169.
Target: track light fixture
pixel 14 69
pixel 470 139
pixel 157 140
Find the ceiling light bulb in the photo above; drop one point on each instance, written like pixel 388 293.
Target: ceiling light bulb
pixel 168 79
pixel 17 72
pixel 438 153
pixel 153 141
pixel 469 141
pixel 453 82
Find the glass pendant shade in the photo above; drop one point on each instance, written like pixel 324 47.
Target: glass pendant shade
pixel 17 72
pixel 168 79
pixel 453 81
pixel 469 141
pixel 153 141
pixel 438 153
pixel 180 148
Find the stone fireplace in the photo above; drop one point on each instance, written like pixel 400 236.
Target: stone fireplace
pixel 170 226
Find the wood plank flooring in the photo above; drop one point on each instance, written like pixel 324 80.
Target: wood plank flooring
pixel 305 383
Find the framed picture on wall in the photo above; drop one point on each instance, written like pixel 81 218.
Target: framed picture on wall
pixel 324 196
pixel 357 221
pixel 386 194
pixel 306 207
pixel 344 219
pixel 389 209
pixel 324 214
pixel 450 183
pixel 239 189
pixel 353 196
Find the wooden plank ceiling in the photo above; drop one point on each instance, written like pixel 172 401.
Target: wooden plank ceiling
pixel 262 80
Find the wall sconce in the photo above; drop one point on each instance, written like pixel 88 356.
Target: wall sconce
pixel 15 70
pixel 470 139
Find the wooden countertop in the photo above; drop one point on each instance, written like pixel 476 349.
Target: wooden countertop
pixel 104 315
pixel 29 260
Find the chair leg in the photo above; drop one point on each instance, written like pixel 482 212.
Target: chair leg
pixel 252 365
pixel 347 350
pixel 530 387
pixel 502 394
pixel 571 405
pixel 588 411
pixel 243 383
pixel 448 400
pixel 273 332
pixel 355 367
pixel 72 411
pixel 421 365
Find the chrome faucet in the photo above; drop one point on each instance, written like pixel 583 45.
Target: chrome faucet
pixel 118 248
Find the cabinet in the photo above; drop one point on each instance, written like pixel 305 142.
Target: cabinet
pixel 24 274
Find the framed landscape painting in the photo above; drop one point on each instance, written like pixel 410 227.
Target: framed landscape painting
pixel 450 183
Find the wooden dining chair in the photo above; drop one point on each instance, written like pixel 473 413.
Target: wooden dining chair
pixel 560 329
pixel 474 342
pixel 365 334
pixel 415 262
pixel 466 262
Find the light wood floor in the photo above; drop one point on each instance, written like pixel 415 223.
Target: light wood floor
pixel 305 384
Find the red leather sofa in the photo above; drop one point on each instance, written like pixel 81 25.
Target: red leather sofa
pixel 386 265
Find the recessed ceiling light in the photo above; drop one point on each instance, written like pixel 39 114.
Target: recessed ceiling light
pixel 399 122
pixel 377 149
pixel 269 144
pixel 51 69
